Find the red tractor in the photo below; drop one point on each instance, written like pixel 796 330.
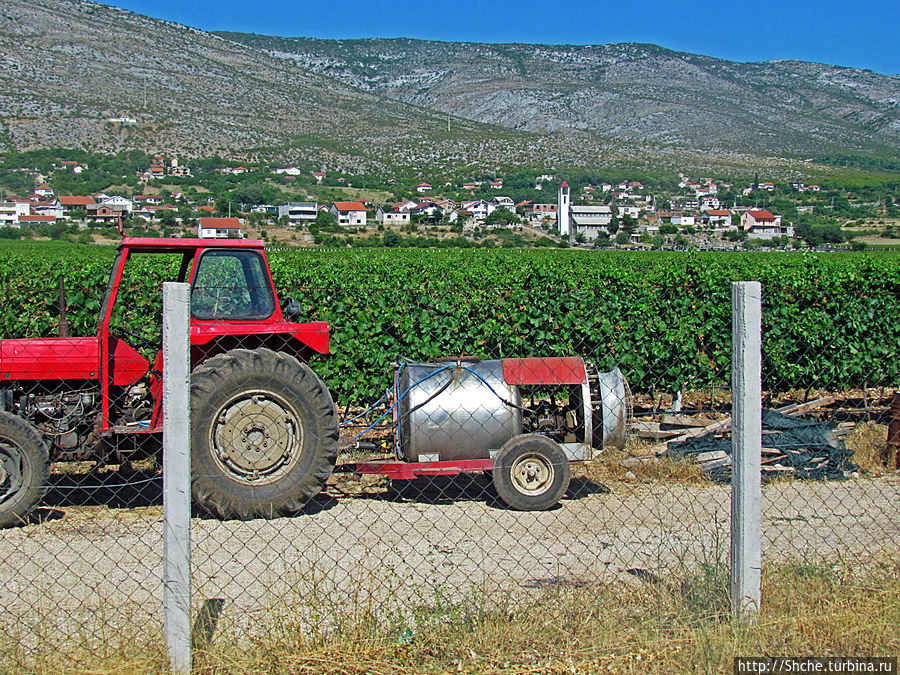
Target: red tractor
pixel 264 434
pixel 264 430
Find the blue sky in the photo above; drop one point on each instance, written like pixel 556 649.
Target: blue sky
pixel 842 32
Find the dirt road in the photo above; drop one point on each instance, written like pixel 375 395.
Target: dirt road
pixel 99 568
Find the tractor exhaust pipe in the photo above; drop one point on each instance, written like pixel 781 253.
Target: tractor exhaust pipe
pixel 63 322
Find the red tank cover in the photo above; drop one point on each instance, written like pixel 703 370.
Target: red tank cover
pixel 549 370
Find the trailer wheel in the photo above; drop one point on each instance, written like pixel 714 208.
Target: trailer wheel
pixel 531 472
pixel 24 469
pixel 264 434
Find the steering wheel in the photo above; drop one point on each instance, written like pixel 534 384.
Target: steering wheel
pixel 140 339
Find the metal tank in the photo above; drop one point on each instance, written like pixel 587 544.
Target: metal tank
pixel 611 414
pixel 455 411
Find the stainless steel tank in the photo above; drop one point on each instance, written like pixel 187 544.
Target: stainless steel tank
pixel 457 410
pixel 610 409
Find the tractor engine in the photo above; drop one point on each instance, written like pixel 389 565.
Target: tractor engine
pixel 65 418
pixel 467 409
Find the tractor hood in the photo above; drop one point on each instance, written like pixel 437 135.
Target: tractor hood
pixel 68 359
pixel 50 359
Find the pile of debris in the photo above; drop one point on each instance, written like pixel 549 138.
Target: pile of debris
pixel 791 446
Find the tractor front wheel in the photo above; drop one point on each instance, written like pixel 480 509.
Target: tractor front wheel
pixel 264 434
pixel 24 469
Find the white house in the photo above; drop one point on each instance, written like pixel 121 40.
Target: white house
pixel 504 203
pixel 299 212
pixel 349 214
pixel 479 208
pixel 710 202
pixel 406 206
pixel 118 203
pixel 47 208
pixel 682 219
pixel 423 187
pixel 632 211
pixel 219 228
pixel 393 217
pixel 718 219
pixel 10 212
pixel 141 200
pixel 762 224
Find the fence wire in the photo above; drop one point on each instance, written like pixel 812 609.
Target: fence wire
pixel 456 447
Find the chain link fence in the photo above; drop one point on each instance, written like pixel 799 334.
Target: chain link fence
pixel 468 447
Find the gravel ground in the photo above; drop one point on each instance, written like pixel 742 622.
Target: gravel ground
pixel 96 570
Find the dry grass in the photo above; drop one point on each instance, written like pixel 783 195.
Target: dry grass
pixel 364 194
pixel 868 442
pixel 672 625
pixel 607 468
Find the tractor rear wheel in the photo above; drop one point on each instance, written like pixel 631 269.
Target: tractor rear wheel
pixel 24 469
pixel 264 434
pixel 531 472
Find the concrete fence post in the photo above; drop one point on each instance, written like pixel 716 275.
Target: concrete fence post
pixel 746 456
pixel 177 476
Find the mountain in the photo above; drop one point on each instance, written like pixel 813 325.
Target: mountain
pixel 75 73
pixel 631 93
pixel 68 67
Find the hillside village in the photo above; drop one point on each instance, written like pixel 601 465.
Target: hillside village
pixel 166 197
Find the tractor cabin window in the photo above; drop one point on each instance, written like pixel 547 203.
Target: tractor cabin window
pixel 231 285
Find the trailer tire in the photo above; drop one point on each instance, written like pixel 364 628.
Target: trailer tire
pixel 531 473
pixel 24 469
pixel 264 434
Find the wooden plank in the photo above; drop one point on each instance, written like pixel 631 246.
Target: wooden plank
pixel 715 464
pixel 800 408
pixel 651 430
pixel 683 421
pixel 657 435
pixel 777 468
pixel 701 457
pixel 721 425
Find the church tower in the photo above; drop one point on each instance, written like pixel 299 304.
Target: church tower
pixel 562 209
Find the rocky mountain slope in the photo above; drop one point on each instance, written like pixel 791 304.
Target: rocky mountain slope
pixel 68 67
pixel 75 73
pixel 629 92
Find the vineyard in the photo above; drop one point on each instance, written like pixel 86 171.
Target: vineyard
pixel 663 318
